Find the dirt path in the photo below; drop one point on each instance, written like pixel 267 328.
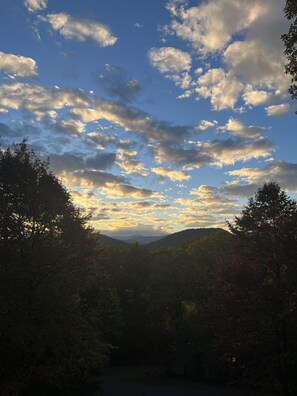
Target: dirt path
pixel 149 381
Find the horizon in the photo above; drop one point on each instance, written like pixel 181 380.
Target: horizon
pixel 156 117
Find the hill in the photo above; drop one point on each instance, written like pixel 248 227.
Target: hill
pixel 142 239
pixel 105 240
pixel 179 238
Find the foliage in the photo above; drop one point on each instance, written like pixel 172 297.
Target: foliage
pixel 290 42
pixel 258 296
pixel 47 259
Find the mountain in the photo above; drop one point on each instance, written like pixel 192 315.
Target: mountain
pixel 179 238
pixel 105 240
pixel 142 239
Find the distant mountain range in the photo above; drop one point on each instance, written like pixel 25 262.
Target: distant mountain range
pixel 159 242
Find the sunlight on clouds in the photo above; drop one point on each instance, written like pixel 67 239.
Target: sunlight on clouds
pixel 80 29
pixel 277 110
pixel 280 171
pixel 238 129
pixel 171 174
pixel 168 59
pixel 36 98
pixel 222 88
pixel 18 66
pixel 211 25
pixel 35 5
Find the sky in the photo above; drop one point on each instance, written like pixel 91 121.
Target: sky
pixel 157 115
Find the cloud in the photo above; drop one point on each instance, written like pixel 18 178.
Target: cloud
pixel 230 151
pixel 168 59
pixel 117 84
pixel 92 178
pixel 37 99
pixel 132 119
pixel 35 5
pixel 277 110
pixel 81 29
pixel 214 152
pixel 246 37
pixel 205 124
pixel 129 164
pixel 18 66
pixel 239 130
pixel 66 162
pixel 99 138
pixel 171 174
pixel 222 88
pixel 255 97
pixel 284 173
pixel 210 26
pixel 101 161
pixel 71 127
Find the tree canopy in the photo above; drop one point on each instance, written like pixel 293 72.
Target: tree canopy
pixel 290 42
pixel 48 267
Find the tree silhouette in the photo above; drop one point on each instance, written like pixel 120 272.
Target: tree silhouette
pixel 47 260
pixel 259 298
pixel 290 42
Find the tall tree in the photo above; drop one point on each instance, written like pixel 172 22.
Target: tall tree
pixel 260 283
pixel 290 42
pixel 48 258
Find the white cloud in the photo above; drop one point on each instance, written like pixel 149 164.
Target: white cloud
pixel 81 29
pixel 171 174
pixel 37 99
pixel 205 124
pixel 277 110
pixel 35 5
pixel 222 88
pixel 127 161
pixel 238 129
pixel 72 127
pixel 19 66
pixel 168 59
pixel 255 97
pixel 284 173
pixel 211 25
pixel 132 119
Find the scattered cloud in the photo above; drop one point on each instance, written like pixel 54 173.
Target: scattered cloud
pixel 132 119
pixel 35 5
pixel 127 161
pixel 171 174
pixel 284 173
pixel 210 26
pixel 205 124
pixel 81 29
pixel 222 88
pixel 117 84
pixel 239 130
pixel 18 66
pixel 169 60
pixel 277 110
pixel 37 99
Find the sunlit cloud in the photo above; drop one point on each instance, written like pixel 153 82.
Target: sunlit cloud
pixel 18 66
pixel 35 5
pixel 80 29
pixel 168 59
pixel 277 110
pixel 171 174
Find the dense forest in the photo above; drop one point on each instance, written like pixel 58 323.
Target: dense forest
pixel 222 308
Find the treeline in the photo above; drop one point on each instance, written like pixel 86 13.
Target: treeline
pixel 220 309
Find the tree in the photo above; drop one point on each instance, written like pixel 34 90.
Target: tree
pixel 259 299
pixel 48 259
pixel 290 42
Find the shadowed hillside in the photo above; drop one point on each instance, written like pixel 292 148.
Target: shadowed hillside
pixel 186 236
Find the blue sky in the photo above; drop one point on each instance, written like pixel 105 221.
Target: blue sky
pixel 157 115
